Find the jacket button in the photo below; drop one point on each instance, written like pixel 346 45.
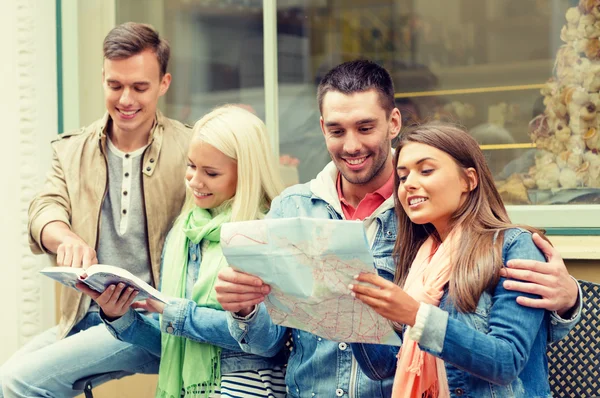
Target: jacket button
pixel 459 391
pixel 152 160
pixel 339 392
pixel 342 346
pixel 170 329
pixel 148 168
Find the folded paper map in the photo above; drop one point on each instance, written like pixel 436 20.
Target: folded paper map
pixel 309 264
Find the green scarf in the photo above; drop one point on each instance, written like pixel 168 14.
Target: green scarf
pixel 186 366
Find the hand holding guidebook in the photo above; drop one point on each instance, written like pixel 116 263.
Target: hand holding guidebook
pixel 100 276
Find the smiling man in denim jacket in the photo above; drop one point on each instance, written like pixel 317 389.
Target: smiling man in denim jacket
pixel 359 121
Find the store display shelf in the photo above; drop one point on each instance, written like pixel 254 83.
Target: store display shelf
pixel 493 147
pixel 488 78
pixel 475 90
pixel 565 216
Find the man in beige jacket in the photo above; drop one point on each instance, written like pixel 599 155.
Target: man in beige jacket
pixel 113 190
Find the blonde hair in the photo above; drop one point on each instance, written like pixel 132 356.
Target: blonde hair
pixel 242 136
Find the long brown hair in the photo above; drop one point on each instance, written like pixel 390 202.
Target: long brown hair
pixel 482 216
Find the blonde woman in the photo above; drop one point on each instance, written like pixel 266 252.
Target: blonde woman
pixel 231 176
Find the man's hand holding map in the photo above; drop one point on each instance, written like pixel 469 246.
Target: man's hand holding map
pixel 309 264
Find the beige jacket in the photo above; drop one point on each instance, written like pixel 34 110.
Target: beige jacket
pixel 77 183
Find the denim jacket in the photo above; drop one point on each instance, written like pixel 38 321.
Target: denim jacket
pixel 319 367
pixel 182 317
pixel 499 350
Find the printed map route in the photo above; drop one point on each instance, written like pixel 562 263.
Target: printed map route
pixel 309 264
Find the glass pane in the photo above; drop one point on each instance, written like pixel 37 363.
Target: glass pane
pixel 486 64
pixel 216 52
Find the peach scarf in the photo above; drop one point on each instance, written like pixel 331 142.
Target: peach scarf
pixel 421 375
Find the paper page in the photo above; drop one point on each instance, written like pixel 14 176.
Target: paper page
pixel 309 264
pixel 103 275
pixel 68 276
pixel 100 276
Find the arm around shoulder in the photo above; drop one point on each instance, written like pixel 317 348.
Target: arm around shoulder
pixel 511 335
pixel 559 292
pixel 561 325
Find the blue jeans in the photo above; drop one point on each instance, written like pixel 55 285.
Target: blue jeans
pixel 46 367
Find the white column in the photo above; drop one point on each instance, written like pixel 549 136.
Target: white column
pixel 28 110
pixel 271 81
pixel 95 19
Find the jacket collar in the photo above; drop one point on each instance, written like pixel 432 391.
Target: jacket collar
pixel 154 140
pixel 324 187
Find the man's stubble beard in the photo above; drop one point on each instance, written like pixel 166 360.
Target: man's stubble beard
pixel 357 180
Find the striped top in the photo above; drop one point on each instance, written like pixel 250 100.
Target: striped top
pixel 252 383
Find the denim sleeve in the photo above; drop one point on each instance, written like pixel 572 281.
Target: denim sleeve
pixel 378 362
pixel 275 209
pixel 184 318
pixel 499 355
pixel 135 328
pixel 560 327
pixel 257 334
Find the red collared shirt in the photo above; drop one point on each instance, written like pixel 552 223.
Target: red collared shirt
pixel 369 203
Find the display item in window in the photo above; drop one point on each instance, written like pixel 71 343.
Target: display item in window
pixel 566 134
pixel 514 190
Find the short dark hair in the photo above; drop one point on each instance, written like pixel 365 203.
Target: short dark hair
pixel 359 76
pixel 131 38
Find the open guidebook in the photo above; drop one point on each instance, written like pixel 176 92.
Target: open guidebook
pixel 100 276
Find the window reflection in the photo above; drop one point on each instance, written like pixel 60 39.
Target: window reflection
pixel 486 64
pixel 483 64
pixel 216 52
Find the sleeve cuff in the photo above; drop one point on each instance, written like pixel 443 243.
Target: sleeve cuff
pixel 430 325
pixel 119 325
pixel 37 226
pixel 575 312
pixel 173 316
pixel 239 325
pixel 246 318
pixel 416 331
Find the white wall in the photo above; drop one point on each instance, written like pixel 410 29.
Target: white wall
pixel 28 109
